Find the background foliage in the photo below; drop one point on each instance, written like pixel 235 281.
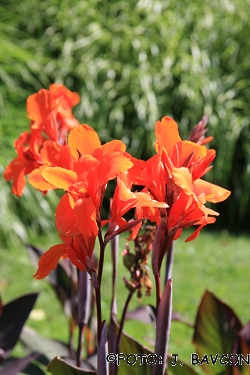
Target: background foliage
pixel 134 62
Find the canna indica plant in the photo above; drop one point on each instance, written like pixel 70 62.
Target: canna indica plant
pixel 166 192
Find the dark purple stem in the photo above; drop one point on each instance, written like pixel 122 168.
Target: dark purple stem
pixel 79 346
pixel 169 262
pixel 158 291
pixel 99 312
pixel 101 260
pixel 122 321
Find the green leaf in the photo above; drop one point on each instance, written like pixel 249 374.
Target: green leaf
pixel 216 330
pixel 180 367
pixel 58 366
pixel 133 348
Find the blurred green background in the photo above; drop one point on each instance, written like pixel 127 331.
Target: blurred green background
pixel 133 63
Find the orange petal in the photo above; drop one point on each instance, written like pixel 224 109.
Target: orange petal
pixel 65 217
pixel 112 165
pixel 85 212
pixel 123 200
pixel 19 184
pixel 59 177
pixel 38 182
pixel 213 193
pixel 145 200
pixel 83 139
pixel 38 106
pixel 114 145
pixel 183 178
pixel 186 148
pixel 195 234
pixel 16 171
pixel 57 91
pixel 56 155
pixel 167 135
pixel 49 260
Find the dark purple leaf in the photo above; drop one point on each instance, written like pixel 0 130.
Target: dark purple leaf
pixel 161 244
pixel 114 252
pixel 112 342
pixel 113 308
pixel 84 297
pixel 163 328
pixel 1 306
pixel 15 314
pixel 102 365
pixel 241 350
pixel 61 279
pixel 32 341
pixel 14 365
pixel 245 333
pixel 216 329
pixel 145 314
pixel 179 318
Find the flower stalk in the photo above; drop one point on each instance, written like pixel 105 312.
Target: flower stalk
pixel 59 153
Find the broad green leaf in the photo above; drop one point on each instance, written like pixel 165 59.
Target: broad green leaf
pixel 135 359
pixel 216 330
pixel 178 367
pixel 58 366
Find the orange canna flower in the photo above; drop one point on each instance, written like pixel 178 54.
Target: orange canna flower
pixel 86 183
pixel 51 117
pixel 174 176
pixel 78 213
pixel 124 199
pixel 28 158
pixel 78 249
pixel 51 111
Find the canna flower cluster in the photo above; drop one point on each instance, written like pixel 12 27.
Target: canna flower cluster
pixel 50 114
pixel 59 153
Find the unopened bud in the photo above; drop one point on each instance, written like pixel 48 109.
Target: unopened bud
pixel 128 260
